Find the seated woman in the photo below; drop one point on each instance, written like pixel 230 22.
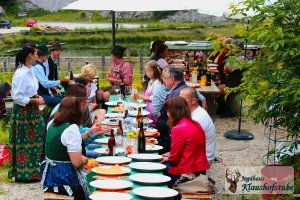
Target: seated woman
pixel 88 134
pixel 62 168
pixel 89 72
pixel 187 153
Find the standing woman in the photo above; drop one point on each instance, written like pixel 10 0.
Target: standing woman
pixel 27 125
pixel 154 74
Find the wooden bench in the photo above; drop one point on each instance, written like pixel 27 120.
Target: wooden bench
pixel 52 196
pixel 196 196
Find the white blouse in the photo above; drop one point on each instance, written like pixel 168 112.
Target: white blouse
pixel 24 85
pixel 70 138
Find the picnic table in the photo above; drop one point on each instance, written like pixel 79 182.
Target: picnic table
pixel 93 176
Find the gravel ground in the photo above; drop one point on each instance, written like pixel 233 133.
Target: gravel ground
pixel 250 156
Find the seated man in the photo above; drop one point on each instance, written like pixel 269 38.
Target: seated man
pixel 42 74
pixel 120 72
pixel 202 117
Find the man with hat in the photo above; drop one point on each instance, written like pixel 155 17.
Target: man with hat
pixel 42 73
pixel 55 51
pixel 120 72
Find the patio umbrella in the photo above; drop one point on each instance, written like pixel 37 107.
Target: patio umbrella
pixel 211 7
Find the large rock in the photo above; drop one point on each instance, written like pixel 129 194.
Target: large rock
pixel 127 15
pixel 194 16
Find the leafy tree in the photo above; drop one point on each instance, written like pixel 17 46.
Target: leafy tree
pixel 271 82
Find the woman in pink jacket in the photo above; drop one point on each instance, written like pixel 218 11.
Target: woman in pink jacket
pixel 187 153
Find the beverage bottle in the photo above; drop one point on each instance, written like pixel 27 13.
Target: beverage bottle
pixel 139 117
pixel 71 76
pixel 111 143
pixel 121 128
pixel 141 140
pixel 122 87
pixel 208 78
pixel 187 73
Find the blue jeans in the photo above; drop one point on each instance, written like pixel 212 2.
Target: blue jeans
pixel 174 178
pixel 89 149
pixel 52 101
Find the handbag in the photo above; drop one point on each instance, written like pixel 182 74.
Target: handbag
pixel 192 184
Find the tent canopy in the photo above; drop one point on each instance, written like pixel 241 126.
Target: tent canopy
pixel 212 7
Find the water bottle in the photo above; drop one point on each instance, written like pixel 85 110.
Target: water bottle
pixel 128 123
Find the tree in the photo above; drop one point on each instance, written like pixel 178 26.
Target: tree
pixel 10 6
pixel 271 82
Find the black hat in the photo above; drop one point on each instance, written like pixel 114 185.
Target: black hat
pixel 42 50
pixel 76 90
pixel 55 46
pixel 118 51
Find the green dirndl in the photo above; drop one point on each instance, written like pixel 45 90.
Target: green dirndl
pixel 26 142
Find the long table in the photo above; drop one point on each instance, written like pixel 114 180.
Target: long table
pixel 135 185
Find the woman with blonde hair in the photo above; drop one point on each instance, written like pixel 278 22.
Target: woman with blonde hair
pixel 89 72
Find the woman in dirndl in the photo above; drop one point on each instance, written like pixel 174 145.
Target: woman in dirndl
pixel 62 170
pixel 27 125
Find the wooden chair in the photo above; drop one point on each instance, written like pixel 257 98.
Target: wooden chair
pixel 53 196
pixel 197 196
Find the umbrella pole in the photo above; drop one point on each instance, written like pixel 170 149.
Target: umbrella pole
pixel 113 17
pixel 239 134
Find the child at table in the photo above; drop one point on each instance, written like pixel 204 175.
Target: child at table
pixel 153 72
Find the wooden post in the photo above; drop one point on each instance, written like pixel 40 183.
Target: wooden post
pixel 103 66
pixel 69 67
pixel 5 69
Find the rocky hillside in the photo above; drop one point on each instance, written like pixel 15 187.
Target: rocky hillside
pixel 52 5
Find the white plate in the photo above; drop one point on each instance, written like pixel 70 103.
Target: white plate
pixel 113 160
pixel 145 157
pixel 112 103
pixel 124 171
pixel 136 105
pixel 111 184
pixel 109 122
pixel 104 151
pixel 112 115
pixel 102 140
pixel 150 178
pixel 155 192
pixel 134 113
pixel 152 147
pixel 110 196
pixel 147 166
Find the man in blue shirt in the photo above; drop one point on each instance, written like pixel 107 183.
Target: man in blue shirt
pixel 42 74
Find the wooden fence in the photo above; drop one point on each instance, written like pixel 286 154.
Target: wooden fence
pixel 74 64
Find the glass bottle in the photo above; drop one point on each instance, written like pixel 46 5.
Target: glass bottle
pixel 111 143
pixel 141 140
pixel 139 117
